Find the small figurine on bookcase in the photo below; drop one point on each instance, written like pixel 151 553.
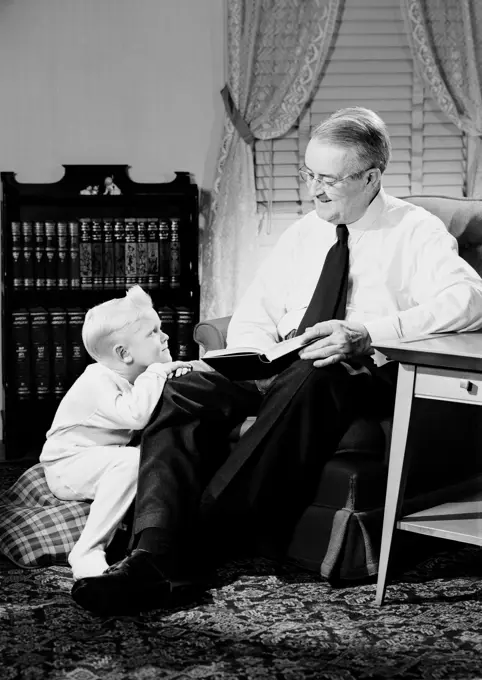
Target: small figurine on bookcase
pixel 111 188
pixel 90 190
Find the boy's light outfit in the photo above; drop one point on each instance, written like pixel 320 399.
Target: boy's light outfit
pixel 87 455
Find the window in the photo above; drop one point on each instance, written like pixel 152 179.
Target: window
pixel 370 66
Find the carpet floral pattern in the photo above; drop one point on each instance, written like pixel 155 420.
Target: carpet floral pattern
pixel 257 620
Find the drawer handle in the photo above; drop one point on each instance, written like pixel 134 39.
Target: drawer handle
pixel 466 385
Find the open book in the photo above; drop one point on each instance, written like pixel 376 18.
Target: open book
pixel 249 363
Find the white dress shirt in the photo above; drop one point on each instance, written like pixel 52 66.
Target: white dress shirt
pixel 406 278
pixel 103 409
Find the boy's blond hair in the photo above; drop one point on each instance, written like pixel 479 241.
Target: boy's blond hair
pixel 105 325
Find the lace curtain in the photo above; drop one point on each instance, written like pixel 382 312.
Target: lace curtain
pixel 276 52
pixel 445 39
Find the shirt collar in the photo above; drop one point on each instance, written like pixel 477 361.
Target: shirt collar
pixel 370 217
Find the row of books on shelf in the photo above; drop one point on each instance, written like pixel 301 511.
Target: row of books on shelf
pixel 96 253
pixel 48 353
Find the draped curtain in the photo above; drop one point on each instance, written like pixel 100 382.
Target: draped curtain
pixel 276 52
pixel 445 38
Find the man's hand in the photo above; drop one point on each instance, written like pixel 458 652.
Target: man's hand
pixel 339 341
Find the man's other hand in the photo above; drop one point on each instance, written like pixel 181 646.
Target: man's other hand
pixel 338 341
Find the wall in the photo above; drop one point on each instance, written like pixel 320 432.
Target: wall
pixel 111 81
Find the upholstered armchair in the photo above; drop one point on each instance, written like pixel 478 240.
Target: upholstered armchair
pixel 339 533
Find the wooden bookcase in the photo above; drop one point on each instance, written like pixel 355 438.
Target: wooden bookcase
pixel 64 252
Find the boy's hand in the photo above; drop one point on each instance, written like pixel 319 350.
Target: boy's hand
pixel 174 369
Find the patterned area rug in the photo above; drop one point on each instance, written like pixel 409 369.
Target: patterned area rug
pixel 256 621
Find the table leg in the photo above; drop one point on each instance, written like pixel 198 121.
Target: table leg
pixel 397 469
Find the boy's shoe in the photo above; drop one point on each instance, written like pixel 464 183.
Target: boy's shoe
pixel 136 583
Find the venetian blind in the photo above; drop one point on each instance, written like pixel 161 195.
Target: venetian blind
pixel 370 66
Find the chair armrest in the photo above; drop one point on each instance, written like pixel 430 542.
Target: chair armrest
pixel 211 334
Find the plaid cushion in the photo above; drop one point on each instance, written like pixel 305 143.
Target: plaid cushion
pixel 36 528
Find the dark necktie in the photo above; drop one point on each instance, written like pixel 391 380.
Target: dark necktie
pixel 329 298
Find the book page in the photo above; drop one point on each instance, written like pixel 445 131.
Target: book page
pixel 236 351
pixel 286 346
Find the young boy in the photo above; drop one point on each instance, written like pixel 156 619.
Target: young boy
pixel 87 455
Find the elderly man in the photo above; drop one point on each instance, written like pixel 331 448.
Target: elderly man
pixel 361 267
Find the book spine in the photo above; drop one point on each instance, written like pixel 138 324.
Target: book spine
pixel 41 354
pixel 58 324
pixel 97 255
pixel 108 238
pixel 131 252
pixel 167 318
pixel 142 278
pixel 22 374
pixel 74 259
pixel 152 253
pixel 40 259
pixel 164 254
pixel 51 255
pixel 185 329
pixel 62 255
pixel 76 355
pixel 175 255
pixel 17 268
pixel 85 253
pixel 119 254
pixel 28 256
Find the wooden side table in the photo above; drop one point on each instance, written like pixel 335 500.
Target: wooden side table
pixel 447 367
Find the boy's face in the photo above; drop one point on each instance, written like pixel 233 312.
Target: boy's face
pixel 146 343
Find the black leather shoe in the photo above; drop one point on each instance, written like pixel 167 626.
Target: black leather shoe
pixel 137 583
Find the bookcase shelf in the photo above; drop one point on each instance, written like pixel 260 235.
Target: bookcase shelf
pixel 64 252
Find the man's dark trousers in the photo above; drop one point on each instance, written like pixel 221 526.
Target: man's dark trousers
pixel 189 480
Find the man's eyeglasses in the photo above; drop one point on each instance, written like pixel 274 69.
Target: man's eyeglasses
pixel 328 181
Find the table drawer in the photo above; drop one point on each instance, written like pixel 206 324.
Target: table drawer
pixel 436 383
